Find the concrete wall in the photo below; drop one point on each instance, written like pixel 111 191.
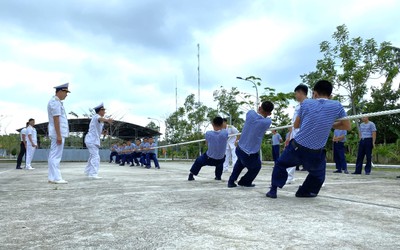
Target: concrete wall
pixel 71 154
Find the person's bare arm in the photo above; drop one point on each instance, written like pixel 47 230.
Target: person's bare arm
pixel 342 125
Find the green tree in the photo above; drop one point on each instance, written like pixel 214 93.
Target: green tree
pixel 228 103
pixel 153 126
pixel 388 126
pixel 350 63
pixel 281 103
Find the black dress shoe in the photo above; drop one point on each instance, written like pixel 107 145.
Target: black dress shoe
pixel 355 173
pixel 337 171
pixel 398 176
pixel 367 173
pixel 272 195
pixel 305 195
pixel 231 185
pixel 190 178
pixel 248 185
pixel 217 179
pixel 18 168
pixel 346 172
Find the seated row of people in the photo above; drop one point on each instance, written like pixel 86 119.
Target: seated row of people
pixel 139 153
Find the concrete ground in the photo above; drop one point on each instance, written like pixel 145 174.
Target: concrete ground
pixel 136 208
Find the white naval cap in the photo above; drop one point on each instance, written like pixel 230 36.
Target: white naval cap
pixel 98 107
pixel 62 87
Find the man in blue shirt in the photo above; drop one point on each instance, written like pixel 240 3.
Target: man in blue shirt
pixel 315 119
pixel 339 138
pixel 151 154
pixel 215 154
pixel 276 144
pixel 248 148
pixel 367 134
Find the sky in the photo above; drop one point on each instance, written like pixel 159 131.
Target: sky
pixel 134 55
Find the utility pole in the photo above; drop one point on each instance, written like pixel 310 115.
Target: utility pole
pixel 198 89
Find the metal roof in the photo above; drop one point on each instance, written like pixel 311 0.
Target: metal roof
pixel 120 129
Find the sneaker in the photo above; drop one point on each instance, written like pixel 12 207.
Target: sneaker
pixel 95 177
pixel 30 168
pixel 59 182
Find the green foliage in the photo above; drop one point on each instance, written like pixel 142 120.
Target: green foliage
pixel 388 126
pixel 9 142
pixel 281 103
pixel 14 152
pixel 228 104
pixel 350 63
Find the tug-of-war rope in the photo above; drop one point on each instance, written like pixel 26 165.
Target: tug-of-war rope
pixel 352 117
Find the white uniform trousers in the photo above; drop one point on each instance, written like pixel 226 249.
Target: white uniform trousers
pixel 290 172
pixel 229 154
pixel 54 159
pixel 93 164
pixel 30 151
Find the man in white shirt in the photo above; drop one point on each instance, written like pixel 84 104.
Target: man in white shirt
pixel 230 154
pixel 22 149
pixel 92 141
pixel 58 131
pixel 31 144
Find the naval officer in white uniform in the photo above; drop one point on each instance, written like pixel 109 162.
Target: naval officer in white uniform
pixel 58 131
pixel 31 144
pixel 92 141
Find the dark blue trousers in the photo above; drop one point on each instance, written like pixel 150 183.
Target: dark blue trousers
pixel 313 161
pixel 135 156
pixel 112 155
pixel 204 160
pixel 250 161
pixel 275 152
pixel 364 149
pixel 152 156
pixel 126 158
pixel 339 156
pixel 22 151
pixel 143 160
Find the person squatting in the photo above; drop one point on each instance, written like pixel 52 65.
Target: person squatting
pixel 140 153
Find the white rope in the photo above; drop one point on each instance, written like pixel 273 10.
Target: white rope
pixel 352 117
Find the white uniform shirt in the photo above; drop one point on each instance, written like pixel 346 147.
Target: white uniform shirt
pixel 23 132
pixel 231 131
pixel 56 108
pixel 296 113
pixel 95 129
pixel 31 131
